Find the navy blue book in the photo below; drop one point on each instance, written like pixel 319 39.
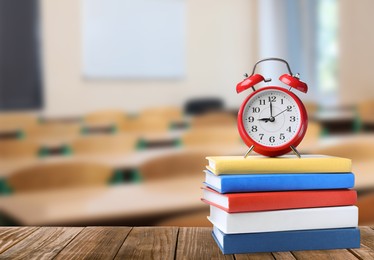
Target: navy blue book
pixel 318 239
pixel 278 182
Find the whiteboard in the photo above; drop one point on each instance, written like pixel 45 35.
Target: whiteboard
pixel 133 38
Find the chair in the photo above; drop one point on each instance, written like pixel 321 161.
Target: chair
pixel 144 125
pixel 105 118
pixel 59 175
pixel 366 113
pixel 54 137
pixel 218 136
pixel 54 131
pixel 14 149
pixel 179 164
pixel 213 119
pixel 104 144
pixel 18 120
pixel 311 137
pixel 14 124
pixel 167 113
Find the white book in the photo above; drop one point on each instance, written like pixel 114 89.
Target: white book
pixel 284 220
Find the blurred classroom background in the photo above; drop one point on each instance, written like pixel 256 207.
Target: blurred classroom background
pixel 108 108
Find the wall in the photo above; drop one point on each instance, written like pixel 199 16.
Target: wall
pixel 356 51
pixel 221 47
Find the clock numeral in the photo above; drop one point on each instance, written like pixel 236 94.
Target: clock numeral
pixel 281 136
pixel 289 108
pixel 288 129
pixel 292 119
pixel 262 102
pixel 272 99
pixel 261 136
pixel 251 119
pixel 281 101
pixel 254 128
pixel 255 109
pixel 272 139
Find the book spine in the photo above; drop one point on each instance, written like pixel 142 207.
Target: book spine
pixel 284 220
pixel 284 182
pixel 263 201
pixel 290 241
pixel 306 165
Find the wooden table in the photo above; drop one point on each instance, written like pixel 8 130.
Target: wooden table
pixel 121 161
pixel 144 243
pixel 128 160
pixel 125 203
pixel 162 137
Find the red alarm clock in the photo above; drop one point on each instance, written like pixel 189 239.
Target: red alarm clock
pixel 272 120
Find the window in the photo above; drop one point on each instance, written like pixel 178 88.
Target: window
pixel 305 33
pixel 327 47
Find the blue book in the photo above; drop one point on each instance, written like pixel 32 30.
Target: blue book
pixel 278 182
pixel 319 239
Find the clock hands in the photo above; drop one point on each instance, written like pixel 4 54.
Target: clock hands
pixel 272 118
pixel 271 112
pixel 271 109
pixel 281 112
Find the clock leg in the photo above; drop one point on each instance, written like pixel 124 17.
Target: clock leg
pixel 248 151
pixel 295 151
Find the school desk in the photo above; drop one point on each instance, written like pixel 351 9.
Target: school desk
pixel 103 204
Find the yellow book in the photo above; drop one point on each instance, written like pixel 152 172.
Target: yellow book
pixel 284 164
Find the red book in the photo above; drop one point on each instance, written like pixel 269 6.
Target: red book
pixel 277 200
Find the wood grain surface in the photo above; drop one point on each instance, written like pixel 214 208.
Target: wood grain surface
pixel 144 243
pixel 197 243
pixel 9 236
pixel 149 243
pixel 95 243
pixel 44 243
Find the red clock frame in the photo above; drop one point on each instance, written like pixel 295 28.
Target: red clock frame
pixel 277 150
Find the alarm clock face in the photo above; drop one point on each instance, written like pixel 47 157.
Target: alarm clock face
pixel 272 119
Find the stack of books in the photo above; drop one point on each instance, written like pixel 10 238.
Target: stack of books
pixel 264 204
